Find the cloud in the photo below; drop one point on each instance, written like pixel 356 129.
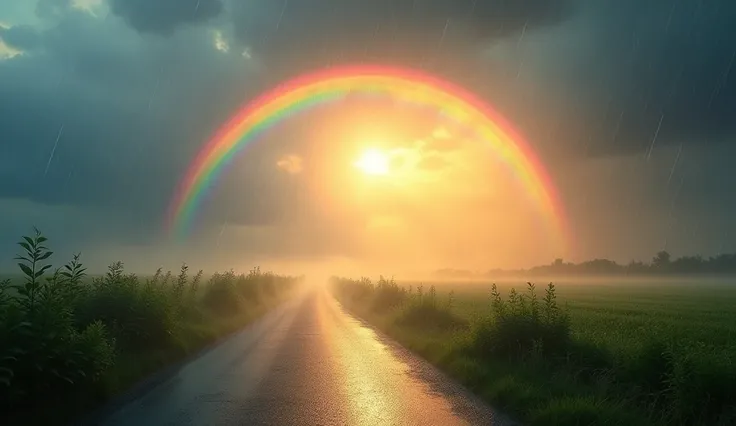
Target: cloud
pixel 50 9
pixel 291 164
pixel 494 18
pixel 20 37
pixel 441 132
pixel 433 162
pixel 322 31
pixel 88 6
pixel 7 52
pixel 659 73
pixel 131 121
pixel 164 16
pixel 221 44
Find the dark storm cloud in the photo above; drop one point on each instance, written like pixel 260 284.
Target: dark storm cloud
pixel 52 8
pixel 496 18
pixel 21 37
pixel 661 72
pixel 323 31
pixel 164 16
pixel 653 71
pixel 100 121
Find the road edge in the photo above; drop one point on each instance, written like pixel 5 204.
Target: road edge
pixel 387 339
pixel 156 378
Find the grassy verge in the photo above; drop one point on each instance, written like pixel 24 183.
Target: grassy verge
pixel 527 356
pixel 70 342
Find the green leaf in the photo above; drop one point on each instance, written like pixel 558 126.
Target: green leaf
pixel 25 246
pixel 26 270
pixel 46 255
pixel 30 241
pixel 42 270
pixel 42 239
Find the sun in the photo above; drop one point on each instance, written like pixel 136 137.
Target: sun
pixel 373 162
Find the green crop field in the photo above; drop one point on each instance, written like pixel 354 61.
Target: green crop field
pixel 625 314
pixel 620 351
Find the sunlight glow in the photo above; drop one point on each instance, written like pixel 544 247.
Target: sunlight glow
pixel 373 162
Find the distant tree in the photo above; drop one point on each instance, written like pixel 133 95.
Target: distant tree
pixel 662 263
pixel 636 267
pixel 662 259
pixel 689 264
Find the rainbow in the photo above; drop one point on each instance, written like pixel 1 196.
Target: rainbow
pixel 323 87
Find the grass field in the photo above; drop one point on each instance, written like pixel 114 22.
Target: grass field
pixel 620 351
pixel 69 341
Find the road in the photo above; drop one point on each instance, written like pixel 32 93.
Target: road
pixel 305 363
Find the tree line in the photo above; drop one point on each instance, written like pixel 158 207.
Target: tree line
pixel 661 264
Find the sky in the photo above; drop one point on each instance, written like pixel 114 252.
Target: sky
pixel 630 106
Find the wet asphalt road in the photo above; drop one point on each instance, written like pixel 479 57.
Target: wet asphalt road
pixel 305 363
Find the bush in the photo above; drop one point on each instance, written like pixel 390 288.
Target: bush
pixel 352 291
pixel 522 326
pixel 387 295
pixel 138 315
pixel 700 390
pixel 423 310
pixel 43 355
pixel 381 297
pixel 220 296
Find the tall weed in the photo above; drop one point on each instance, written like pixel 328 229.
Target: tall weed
pixel 426 311
pixel 522 325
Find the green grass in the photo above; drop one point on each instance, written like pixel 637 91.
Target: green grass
pixel 626 352
pixel 69 342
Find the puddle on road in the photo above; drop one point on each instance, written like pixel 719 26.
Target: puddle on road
pixel 379 387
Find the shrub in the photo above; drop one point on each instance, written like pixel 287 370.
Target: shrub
pixel 382 297
pixel 138 315
pixel 424 310
pixel 387 295
pixel 352 291
pixel 522 326
pixel 700 390
pixel 220 295
pixel 43 355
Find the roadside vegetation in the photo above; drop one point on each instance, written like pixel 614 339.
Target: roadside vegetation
pixel 69 341
pixel 658 356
